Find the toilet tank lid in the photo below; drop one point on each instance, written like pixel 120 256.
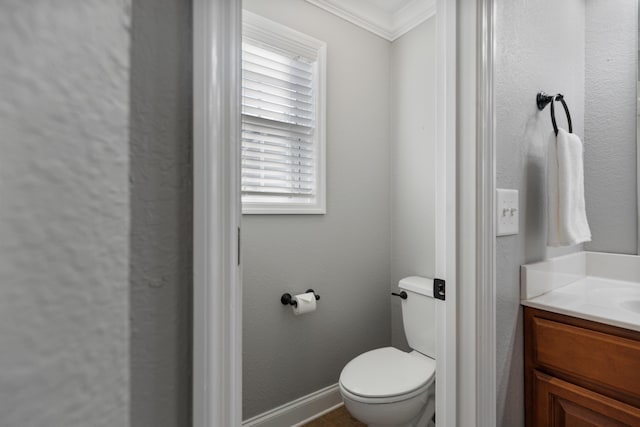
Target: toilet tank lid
pixel 419 285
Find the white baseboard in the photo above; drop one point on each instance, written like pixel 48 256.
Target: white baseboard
pixel 299 411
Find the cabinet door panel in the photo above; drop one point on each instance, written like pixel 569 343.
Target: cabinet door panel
pixel 570 414
pixel 599 358
pixel 562 404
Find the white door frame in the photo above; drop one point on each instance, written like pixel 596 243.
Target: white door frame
pixel 217 290
pixel 485 220
pixel 217 336
pixel 445 226
pixel 476 175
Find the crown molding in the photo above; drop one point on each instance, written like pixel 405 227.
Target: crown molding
pixel 383 23
pixel 410 16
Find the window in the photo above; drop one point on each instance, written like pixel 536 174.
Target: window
pixel 283 153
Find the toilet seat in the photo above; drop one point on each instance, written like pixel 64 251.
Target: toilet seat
pixel 387 375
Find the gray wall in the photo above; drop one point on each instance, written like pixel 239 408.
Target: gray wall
pixel 610 124
pixel 64 213
pixel 540 46
pixel 161 200
pixel 343 255
pixel 412 164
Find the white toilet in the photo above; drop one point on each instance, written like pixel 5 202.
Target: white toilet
pixel 388 387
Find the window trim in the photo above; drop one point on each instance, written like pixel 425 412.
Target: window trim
pixel 261 30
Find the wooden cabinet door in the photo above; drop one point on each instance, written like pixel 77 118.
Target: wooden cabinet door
pixel 562 404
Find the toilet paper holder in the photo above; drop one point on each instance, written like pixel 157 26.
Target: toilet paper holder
pixel 287 299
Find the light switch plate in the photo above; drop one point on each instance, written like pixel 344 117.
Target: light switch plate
pixel 507 212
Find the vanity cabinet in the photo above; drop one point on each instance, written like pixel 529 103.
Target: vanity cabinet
pixel 580 373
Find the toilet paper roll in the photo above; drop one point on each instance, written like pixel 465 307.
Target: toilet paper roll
pixel 306 303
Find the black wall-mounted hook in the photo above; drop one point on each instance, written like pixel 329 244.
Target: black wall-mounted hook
pixel 542 99
pixel 287 299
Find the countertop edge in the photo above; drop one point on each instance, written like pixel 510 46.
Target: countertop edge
pixel 580 315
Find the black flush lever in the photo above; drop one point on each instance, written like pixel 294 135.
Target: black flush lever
pixel 402 294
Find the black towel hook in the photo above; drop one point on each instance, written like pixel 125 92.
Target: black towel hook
pixel 542 99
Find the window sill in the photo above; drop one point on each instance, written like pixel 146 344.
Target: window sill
pixel 282 209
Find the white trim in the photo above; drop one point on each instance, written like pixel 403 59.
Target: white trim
pixel 217 293
pixel 265 31
pixel 300 411
pixel 445 179
pixel 389 26
pixel 410 16
pixel 376 26
pixel 486 241
pixel 266 208
pixel 467 17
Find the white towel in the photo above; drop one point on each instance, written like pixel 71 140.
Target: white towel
pixel 567 216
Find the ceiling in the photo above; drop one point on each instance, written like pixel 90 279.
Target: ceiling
pixel 388 19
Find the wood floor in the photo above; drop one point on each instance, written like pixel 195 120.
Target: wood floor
pixel 338 418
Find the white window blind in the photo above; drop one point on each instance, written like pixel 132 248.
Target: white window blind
pixel 281 150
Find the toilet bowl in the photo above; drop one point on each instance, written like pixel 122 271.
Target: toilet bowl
pixel 388 387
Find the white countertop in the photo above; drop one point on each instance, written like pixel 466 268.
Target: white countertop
pixel 600 287
pixel 612 302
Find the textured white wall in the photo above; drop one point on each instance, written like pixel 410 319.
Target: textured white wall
pixel 412 164
pixel 344 255
pixel 610 125
pixel 539 46
pixel 161 213
pixel 64 213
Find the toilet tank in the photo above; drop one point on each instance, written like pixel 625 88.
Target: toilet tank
pixel 419 314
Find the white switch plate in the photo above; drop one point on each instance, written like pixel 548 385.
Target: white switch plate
pixel 507 212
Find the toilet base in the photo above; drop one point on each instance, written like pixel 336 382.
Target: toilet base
pixel 423 419
pixel 388 415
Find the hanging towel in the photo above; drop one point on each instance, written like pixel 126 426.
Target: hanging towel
pixel 567 216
